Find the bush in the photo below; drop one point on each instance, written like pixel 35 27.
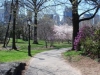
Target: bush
pixel 89 38
pixel 82 34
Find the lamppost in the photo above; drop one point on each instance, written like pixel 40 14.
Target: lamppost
pixel 29 46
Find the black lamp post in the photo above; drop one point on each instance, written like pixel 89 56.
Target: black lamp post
pixel 29 46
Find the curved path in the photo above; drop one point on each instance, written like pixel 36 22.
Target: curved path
pixel 50 63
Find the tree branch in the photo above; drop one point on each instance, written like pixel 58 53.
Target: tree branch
pixel 71 1
pixel 79 1
pixel 30 3
pixel 40 4
pixel 29 6
pixel 90 17
pixel 87 11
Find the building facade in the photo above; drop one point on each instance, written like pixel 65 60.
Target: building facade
pixel 56 19
pixel 93 21
pixel 7 6
pixel 1 15
pixel 67 16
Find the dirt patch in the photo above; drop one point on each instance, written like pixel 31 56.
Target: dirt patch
pixel 86 65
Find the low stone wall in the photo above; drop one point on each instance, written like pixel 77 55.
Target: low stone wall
pixel 11 68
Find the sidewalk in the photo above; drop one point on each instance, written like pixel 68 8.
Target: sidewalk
pixel 50 63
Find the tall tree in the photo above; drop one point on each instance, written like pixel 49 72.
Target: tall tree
pixel 15 12
pixel 7 32
pixel 76 17
pixel 36 6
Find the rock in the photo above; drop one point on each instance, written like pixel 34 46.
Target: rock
pixel 11 68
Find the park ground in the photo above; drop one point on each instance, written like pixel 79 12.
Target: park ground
pixel 82 64
pixel 85 64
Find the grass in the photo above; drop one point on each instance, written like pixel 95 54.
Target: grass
pixel 61 45
pixel 12 56
pixel 72 55
pixel 21 54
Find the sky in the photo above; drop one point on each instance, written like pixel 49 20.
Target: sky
pixel 60 8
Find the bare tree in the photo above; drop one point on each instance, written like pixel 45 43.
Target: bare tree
pixel 45 30
pixel 36 6
pixel 7 32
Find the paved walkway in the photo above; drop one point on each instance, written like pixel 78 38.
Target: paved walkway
pixel 50 63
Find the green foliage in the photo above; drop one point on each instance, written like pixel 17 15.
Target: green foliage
pixel 91 43
pixel 90 49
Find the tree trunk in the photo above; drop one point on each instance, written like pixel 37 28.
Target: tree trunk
pixel 15 12
pixel 51 43
pixel 46 44
pixel 8 41
pixel 75 21
pixel 5 40
pixel 13 38
pixel 7 33
pixel 18 35
pixel 75 31
pixel 35 29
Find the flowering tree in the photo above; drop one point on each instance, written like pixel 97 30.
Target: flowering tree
pixel 63 32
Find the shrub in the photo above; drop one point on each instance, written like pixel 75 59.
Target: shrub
pixel 82 34
pixel 89 38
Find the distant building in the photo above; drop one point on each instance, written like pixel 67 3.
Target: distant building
pixel 49 16
pixel 96 19
pixel 1 15
pixel 67 16
pixel 56 19
pixel 7 6
pixel 93 21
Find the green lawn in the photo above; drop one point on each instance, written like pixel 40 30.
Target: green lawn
pixel 10 56
pixel 21 54
pixel 72 55
pixel 61 45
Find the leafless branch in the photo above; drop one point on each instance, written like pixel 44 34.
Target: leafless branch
pixel 79 1
pixel 90 16
pixel 87 11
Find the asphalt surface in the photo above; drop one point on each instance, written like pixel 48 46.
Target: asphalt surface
pixel 50 63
